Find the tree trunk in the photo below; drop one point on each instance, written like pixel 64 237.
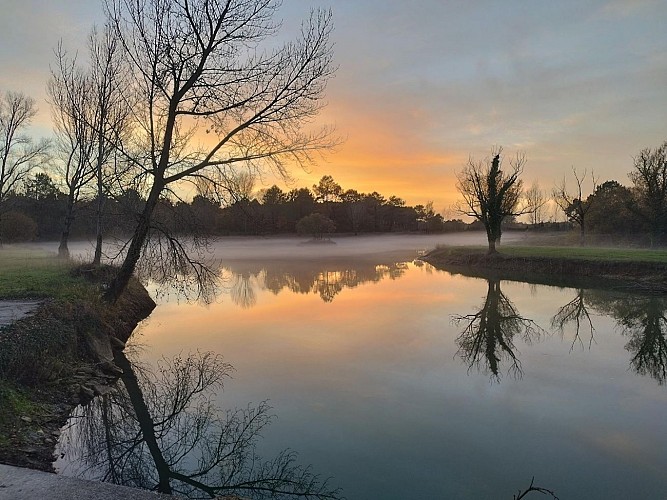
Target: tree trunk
pixel 97 259
pixel 119 283
pixel 492 236
pixel 582 235
pixel 492 245
pixel 63 250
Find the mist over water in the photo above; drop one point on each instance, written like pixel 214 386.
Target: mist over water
pixel 296 247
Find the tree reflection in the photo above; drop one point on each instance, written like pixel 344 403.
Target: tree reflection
pixel 242 289
pixel 326 279
pixel 488 336
pixel 160 431
pixel 576 312
pixel 643 320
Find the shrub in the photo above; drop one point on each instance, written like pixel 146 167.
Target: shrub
pixel 316 225
pixel 16 226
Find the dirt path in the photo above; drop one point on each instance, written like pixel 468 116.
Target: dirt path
pixel 14 310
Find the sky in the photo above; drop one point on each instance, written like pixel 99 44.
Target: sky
pixel 422 86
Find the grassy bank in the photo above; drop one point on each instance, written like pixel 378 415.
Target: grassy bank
pixel 53 360
pixel 554 252
pixel 617 268
pixel 30 274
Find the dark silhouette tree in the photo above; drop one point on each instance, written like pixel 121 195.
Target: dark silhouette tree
pixel 573 204
pixel 317 225
pixel 70 93
pixel 202 63
pixel 491 195
pixel 113 101
pixel 19 154
pixel 611 210
pixel 41 187
pixel 327 189
pixel 650 189
pixel 353 201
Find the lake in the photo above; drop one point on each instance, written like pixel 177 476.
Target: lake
pixel 401 381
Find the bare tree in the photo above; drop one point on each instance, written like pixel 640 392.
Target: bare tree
pixel 69 91
pixel 114 101
pixel 573 205
pixel 489 194
pixel 18 152
pixel 200 65
pixel 650 179
pixel 536 201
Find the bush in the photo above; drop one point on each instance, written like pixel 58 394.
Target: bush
pixel 16 227
pixel 316 225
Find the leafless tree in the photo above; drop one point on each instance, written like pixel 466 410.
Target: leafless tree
pixel 573 204
pixel 536 201
pixel 201 65
pixel 650 181
pixel 90 107
pixel 489 194
pixel 70 94
pixel 113 100
pixel 18 152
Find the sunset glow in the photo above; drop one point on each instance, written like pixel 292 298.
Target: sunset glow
pixel 422 86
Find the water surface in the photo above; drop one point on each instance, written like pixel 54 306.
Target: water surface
pixel 403 381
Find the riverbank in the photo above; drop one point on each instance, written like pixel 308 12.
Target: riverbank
pixel 643 271
pixel 59 356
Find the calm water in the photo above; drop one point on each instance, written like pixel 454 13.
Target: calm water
pixel 404 382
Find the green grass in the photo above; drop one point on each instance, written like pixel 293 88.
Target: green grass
pixel 36 274
pixel 579 253
pixel 13 402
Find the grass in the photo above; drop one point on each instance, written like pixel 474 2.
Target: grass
pixel 14 403
pixel 597 254
pixel 36 274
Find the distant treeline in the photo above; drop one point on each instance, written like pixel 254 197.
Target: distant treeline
pixel 38 210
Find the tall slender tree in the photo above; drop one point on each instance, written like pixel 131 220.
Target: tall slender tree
pixel 573 204
pixel 201 65
pixel 114 100
pixel 649 177
pixel 69 91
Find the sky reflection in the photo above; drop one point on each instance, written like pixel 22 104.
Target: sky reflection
pixel 372 388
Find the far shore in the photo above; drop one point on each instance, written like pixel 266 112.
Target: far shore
pixel 635 270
